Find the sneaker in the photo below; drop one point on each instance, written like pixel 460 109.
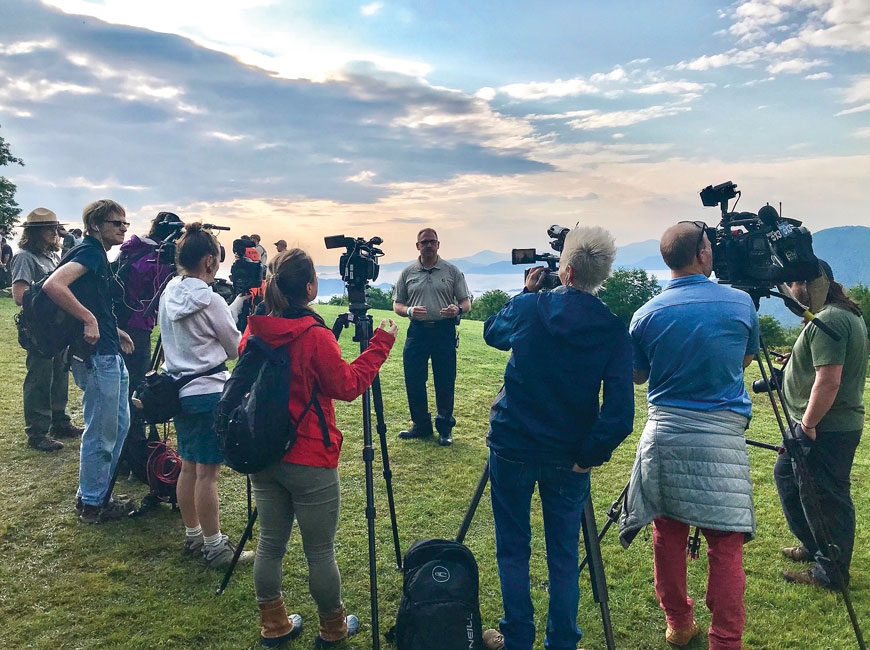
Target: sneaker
pixel 222 554
pixel 493 640
pixel 416 432
pixel 797 554
pixel 68 430
pixel 98 515
pixel 193 546
pixel 45 443
pixel 681 638
pixel 116 498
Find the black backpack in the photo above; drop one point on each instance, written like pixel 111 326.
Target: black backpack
pixel 440 608
pixel 253 421
pixel 43 327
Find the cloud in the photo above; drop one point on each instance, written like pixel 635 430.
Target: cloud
pixel 859 91
pixel 226 137
pixel 713 61
pixel 818 76
pixel 26 47
pixel 862 132
pixel 856 109
pixel 364 176
pixel 671 88
pixel 618 119
pixel 774 31
pixel 550 89
pixel 794 66
pixel 371 9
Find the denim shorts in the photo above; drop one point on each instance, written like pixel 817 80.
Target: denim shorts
pixel 197 439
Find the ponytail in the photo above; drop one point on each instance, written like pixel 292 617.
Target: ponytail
pixel 287 288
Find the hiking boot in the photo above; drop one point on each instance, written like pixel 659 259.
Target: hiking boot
pixel 681 638
pixel 276 626
pixel 45 443
pixel 807 578
pixel 445 439
pixel 417 431
pixel 335 627
pixel 68 430
pixel 797 554
pixel 493 640
pixel 98 515
pixel 193 546
pixel 222 554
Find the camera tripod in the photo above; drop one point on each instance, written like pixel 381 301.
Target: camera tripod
pixel 358 315
pixel 590 540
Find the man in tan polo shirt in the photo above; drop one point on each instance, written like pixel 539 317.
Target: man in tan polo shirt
pixel 432 293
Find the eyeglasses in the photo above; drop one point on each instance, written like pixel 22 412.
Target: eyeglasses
pixel 703 228
pixel 118 223
pixel 427 242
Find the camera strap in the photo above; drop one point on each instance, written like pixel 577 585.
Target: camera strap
pixel 183 381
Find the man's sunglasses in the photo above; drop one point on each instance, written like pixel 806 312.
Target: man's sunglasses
pixel 703 228
pixel 117 223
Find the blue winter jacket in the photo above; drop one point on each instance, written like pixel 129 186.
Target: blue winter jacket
pixel 566 343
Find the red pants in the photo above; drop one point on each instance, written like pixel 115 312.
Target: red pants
pixel 726 581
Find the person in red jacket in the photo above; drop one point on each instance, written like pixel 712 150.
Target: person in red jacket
pixel 305 484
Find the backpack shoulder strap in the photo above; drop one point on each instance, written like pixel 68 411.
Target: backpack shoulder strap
pixel 314 402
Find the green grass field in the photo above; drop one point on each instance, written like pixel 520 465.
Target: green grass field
pixel 125 584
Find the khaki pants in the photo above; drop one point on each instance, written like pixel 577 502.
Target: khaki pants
pixel 46 389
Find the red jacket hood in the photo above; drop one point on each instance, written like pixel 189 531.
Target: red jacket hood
pixel 277 331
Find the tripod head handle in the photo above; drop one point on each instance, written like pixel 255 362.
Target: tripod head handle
pixel 804 312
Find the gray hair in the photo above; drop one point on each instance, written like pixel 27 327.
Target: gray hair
pixel 590 251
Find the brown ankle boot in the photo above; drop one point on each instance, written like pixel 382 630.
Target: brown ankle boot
pixel 275 626
pixel 335 627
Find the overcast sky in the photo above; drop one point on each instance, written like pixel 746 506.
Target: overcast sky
pixel 489 120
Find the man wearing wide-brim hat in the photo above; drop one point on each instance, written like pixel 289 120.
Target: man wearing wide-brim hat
pixel 46 384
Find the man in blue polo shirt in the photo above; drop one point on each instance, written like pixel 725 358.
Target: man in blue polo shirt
pixel 81 287
pixel 692 343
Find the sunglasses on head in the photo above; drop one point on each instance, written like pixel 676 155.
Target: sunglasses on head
pixel 703 228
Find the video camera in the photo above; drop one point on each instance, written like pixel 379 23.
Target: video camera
pixel 530 256
pixel 246 273
pixel 169 231
pixel 757 250
pixel 358 264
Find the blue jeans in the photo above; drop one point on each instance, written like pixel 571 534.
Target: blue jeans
pixel 563 495
pixel 104 382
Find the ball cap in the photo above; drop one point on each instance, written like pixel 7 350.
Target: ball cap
pixel 826 269
pixel 280 242
pixel 41 217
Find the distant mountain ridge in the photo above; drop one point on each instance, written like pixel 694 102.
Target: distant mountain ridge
pixel 845 248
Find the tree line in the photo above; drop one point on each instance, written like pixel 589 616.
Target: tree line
pixel 624 292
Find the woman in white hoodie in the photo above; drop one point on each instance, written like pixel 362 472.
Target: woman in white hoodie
pixel 199 334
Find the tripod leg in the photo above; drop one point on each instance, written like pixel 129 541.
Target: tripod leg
pixel 114 478
pixel 368 457
pixel 385 460
pixel 249 529
pixel 612 518
pixel 472 507
pixel 596 571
